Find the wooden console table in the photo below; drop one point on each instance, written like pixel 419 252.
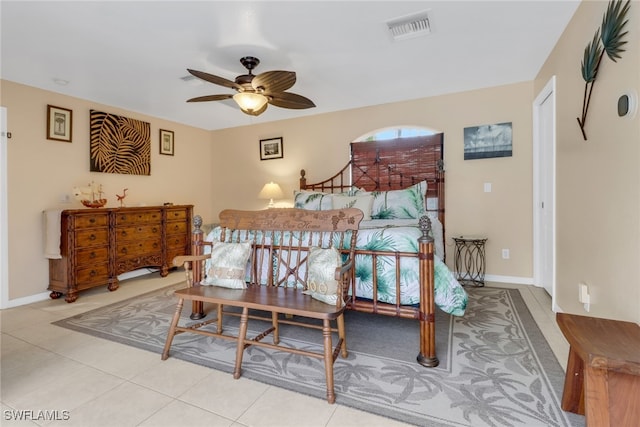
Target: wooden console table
pixel 97 245
pixel 603 371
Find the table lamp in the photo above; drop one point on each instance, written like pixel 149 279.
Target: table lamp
pixel 271 191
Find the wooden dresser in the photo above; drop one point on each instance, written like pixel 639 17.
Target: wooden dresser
pixel 97 245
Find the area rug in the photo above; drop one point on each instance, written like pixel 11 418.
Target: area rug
pixel 496 369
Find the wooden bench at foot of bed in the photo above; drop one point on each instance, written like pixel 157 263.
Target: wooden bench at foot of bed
pixel 292 252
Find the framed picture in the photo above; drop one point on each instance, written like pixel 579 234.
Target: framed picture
pixel 59 125
pixel 486 141
pixel 271 149
pixel 166 142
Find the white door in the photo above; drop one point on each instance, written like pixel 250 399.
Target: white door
pixel 544 148
pixel 4 227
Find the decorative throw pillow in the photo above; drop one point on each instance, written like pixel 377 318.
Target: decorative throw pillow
pixel 400 204
pixel 321 281
pixel 362 202
pixel 228 264
pixel 312 200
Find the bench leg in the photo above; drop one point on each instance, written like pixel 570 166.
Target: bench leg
pixel 328 359
pixel 220 314
pixel 573 392
pixel 242 335
pixel 343 336
pixel 276 327
pixel 172 329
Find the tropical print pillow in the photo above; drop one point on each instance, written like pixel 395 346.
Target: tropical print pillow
pixel 313 200
pixel 400 204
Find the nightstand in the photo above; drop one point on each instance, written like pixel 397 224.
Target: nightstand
pixel 469 259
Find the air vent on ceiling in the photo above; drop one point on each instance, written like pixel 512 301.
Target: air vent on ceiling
pixel 410 26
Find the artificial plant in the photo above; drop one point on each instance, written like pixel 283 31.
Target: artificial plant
pixel 610 34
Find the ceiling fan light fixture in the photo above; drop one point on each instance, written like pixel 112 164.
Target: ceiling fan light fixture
pixel 250 102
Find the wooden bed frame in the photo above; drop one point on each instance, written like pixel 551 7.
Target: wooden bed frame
pixel 392 165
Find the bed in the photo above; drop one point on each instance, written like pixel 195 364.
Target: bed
pixel 398 184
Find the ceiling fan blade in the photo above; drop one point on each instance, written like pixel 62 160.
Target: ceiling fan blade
pixel 215 79
pixel 273 81
pixel 209 98
pixel 290 100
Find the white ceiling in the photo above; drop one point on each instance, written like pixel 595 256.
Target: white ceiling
pixel 132 55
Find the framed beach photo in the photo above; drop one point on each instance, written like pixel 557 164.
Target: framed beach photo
pixel 271 149
pixel 59 123
pixel 166 142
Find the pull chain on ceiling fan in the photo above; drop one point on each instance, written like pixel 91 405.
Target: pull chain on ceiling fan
pixel 255 92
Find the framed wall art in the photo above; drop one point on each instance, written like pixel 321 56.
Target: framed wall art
pixel 271 149
pixel 166 142
pixel 486 141
pixel 119 144
pixel 59 123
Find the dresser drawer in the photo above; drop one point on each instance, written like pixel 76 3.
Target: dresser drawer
pixel 89 256
pixel 133 218
pixel 88 221
pixel 139 232
pixel 90 237
pixel 177 241
pixel 176 214
pixel 98 273
pixel 177 228
pixel 137 248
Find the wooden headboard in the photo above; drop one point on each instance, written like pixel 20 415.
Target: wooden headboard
pixel 391 165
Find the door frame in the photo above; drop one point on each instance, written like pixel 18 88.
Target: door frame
pixel 4 221
pixel 550 171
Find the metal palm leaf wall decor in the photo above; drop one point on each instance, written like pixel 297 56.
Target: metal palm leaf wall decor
pixel 119 144
pixel 610 34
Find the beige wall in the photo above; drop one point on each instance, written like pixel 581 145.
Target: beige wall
pixel 222 169
pixel 41 171
pixel 320 145
pixel 598 180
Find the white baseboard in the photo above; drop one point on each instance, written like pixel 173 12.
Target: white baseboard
pixel 45 295
pixel 509 279
pixel 27 300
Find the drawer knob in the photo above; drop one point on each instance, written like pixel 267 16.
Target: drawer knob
pixel 93 273
pixel 92 220
pixel 92 237
pixel 124 250
pixel 92 255
pixel 154 229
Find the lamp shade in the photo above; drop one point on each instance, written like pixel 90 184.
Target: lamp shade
pixel 250 102
pixel 271 191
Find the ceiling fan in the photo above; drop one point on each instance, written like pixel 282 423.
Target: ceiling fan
pixel 256 92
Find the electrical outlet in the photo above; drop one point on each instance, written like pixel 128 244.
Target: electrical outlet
pixel 487 187
pixel 65 198
pixel 505 254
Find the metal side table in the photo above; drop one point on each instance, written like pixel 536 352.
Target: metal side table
pixel 469 259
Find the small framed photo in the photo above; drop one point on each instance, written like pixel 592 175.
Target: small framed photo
pixel 166 142
pixel 271 149
pixel 59 123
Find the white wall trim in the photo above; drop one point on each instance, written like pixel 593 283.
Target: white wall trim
pixel 27 300
pixel 509 279
pixel 4 220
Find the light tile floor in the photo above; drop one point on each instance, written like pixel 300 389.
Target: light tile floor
pixel 95 382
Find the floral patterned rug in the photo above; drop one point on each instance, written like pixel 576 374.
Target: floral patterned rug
pixel 496 369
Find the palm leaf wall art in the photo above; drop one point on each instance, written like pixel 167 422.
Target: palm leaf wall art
pixel 119 144
pixel 611 35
